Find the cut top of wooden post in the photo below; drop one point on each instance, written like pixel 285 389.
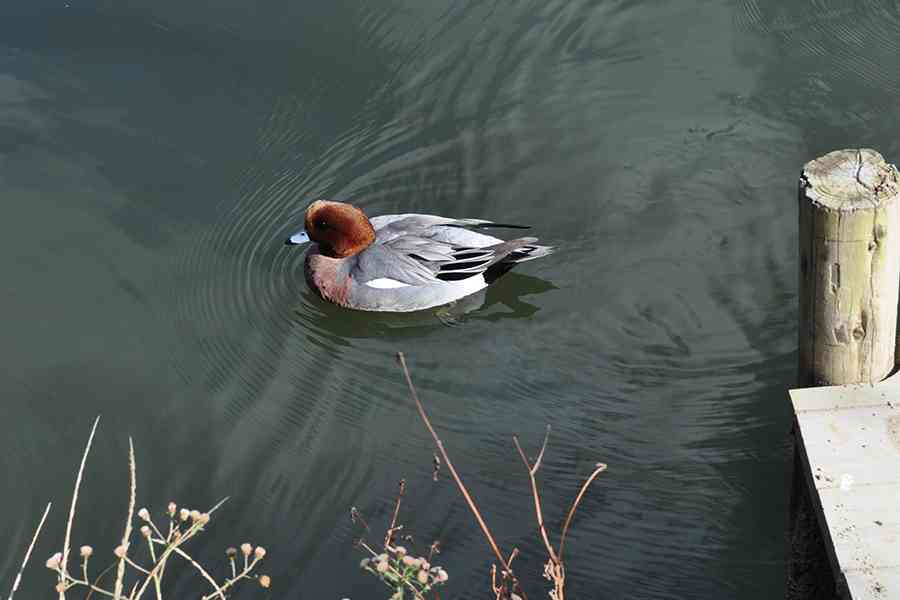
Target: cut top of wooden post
pixel 848 180
pixel 850 268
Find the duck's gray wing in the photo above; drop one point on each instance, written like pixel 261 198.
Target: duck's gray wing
pixel 420 260
pixel 382 261
pixel 464 232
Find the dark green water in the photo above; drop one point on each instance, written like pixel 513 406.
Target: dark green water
pixel 153 155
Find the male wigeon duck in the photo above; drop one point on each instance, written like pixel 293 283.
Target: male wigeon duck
pixel 403 263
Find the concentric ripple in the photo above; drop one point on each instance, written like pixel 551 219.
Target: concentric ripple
pixel 613 133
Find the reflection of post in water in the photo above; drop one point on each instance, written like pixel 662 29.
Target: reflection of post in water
pixel 849 280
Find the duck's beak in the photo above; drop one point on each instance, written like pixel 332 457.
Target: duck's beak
pixel 298 238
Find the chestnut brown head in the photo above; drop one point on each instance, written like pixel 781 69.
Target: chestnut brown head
pixel 340 229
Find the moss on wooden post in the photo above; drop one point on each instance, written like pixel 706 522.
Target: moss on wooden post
pixel 849 268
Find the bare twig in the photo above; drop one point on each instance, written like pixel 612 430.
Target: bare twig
pixel 532 472
pixel 513 555
pixel 455 475
pixel 434 549
pixel 389 534
pixel 120 574
pixel 494 587
pixel 94 586
pixel 136 566
pixel 203 572
pixel 218 505
pixel 537 463
pixel 162 560
pixel 156 582
pixel 173 545
pixel 355 516
pixel 65 557
pixel 450 467
pixel 599 468
pixel 234 579
pixel 34 538
pixel 435 467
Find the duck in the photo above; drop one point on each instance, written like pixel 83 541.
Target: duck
pixel 403 262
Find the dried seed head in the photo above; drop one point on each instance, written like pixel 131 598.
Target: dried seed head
pixel 54 561
pixel 381 566
pixel 145 531
pixel 364 563
pixel 195 515
pixel 409 561
pixel 265 581
pixel 144 514
pixel 400 550
pixel 172 508
pixel 120 551
pixel 442 576
pixel 86 551
pixel 184 514
pixel 60 587
pixel 246 549
pixel 204 518
pixel 259 552
pixel 231 553
pixel 423 564
pixel 422 577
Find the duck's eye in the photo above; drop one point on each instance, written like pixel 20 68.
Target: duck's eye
pixel 322 225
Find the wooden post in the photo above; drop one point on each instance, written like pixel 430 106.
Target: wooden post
pixel 849 280
pixel 849 268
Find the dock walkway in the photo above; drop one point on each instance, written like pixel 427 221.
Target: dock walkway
pixel 849 438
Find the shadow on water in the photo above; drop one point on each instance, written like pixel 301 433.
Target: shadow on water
pixel 502 300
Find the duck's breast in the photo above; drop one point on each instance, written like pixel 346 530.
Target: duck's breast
pixel 327 276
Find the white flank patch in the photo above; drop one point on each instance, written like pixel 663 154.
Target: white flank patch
pixel 386 283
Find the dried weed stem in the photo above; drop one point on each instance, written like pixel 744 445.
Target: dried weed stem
pixel 507 572
pixel 554 570
pixel 37 532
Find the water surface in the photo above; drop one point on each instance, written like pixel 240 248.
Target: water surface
pixel 154 155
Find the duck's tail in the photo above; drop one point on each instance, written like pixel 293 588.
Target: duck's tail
pixel 527 251
pixel 517 251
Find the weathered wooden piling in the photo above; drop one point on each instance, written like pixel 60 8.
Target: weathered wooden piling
pixel 849 282
pixel 849 268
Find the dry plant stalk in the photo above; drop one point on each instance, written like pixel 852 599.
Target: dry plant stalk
pixel 37 532
pixel 65 552
pixel 183 527
pixel 389 534
pixel 395 566
pixel 508 576
pixel 126 537
pixel 554 570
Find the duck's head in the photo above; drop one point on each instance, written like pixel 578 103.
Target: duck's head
pixel 340 229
